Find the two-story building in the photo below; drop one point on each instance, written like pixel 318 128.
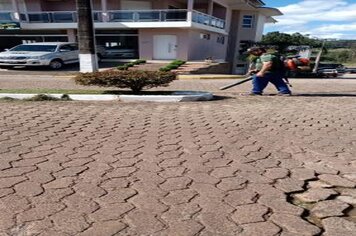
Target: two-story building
pixel 189 30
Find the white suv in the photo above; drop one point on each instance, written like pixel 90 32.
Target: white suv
pixel 54 55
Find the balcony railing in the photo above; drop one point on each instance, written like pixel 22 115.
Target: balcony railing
pixel 147 15
pixel 201 18
pixel 176 15
pixel 6 16
pixel 50 17
pixel 56 17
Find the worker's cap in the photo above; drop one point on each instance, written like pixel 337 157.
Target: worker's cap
pixel 254 49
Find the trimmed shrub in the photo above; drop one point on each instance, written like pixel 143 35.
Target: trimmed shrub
pixel 131 64
pixel 173 65
pixel 8 99
pixel 135 80
pixel 140 61
pixel 124 67
pixel 164 69
pixel 178 62
pixel 45 97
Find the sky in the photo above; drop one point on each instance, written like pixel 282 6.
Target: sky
pixel 334 19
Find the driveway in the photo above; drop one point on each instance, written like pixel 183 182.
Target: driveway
pixel 236 166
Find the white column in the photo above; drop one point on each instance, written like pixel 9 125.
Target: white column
pixel 71 35
pixel 211 7
pixel 16 10
pixel 228 19
pixel 104 9
pixel 190 10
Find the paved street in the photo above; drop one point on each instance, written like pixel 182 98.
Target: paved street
pixel 235 166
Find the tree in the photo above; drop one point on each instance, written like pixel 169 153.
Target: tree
pixel 282 40
pixel 86 37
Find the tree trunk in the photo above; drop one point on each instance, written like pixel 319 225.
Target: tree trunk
pixel 86 37
pixel 318 58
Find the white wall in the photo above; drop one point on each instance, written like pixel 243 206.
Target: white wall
pixel 260 27
pixel 247 33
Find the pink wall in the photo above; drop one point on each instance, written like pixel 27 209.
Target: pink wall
pixel 219 11
pixel 146 42
pixel 66 5
pixel 200 49
pixel 202 7
pixel 34 6
pixel 190 45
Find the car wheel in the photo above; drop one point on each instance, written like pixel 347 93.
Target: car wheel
pixel 56 64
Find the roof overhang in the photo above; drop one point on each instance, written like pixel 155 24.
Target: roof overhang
pixel 270 20
pixel 269 11
pixel 257 3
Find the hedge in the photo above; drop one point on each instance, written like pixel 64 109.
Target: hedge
pixel 135 80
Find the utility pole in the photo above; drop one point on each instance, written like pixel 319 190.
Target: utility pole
pixel 86 37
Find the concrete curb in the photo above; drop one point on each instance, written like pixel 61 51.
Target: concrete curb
pixel 180 96
pixel 209 76
pixel 183 96
pixel 76 97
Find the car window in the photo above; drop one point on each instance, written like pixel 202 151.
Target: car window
pixel 74 47
pixel 66 48
pixel 34 48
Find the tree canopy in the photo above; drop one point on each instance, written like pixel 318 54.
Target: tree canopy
pixel 282 40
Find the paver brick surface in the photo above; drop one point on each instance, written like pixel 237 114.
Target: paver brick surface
pixel 329 208
pixel 226 167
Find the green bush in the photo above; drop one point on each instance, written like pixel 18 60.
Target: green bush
pixel 124 67
pixel 178 62
pixel 45 97
pixel 164 69
pixel 140 61
pixel 8 99
pixel 135 80
pixel 173 65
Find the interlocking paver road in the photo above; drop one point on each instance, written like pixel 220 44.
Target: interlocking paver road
pixel 240 166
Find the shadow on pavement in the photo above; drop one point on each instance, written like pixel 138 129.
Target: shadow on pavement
pixel 218 98
pixel 324 95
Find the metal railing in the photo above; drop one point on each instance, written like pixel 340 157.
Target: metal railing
pixel 147 15
pixel 166 15
pixel 56 17
pixel 202 18
pixel 6 16
pixel 49 17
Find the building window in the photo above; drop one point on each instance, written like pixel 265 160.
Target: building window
pixel 221 39
pixel 247 21
pixel 205 36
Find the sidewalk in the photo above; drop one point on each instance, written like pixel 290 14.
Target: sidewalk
pixel 237 166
